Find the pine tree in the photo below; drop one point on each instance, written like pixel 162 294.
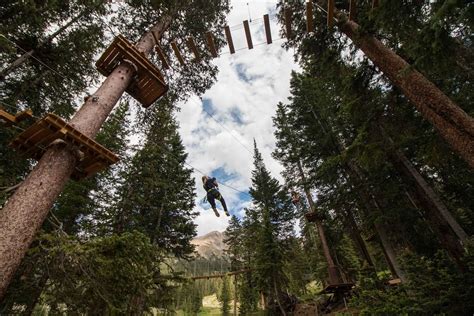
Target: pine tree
pixel 234 236
pixel 276 218
pixel 225 296
pixel 157 196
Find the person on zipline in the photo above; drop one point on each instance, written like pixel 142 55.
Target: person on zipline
pixel 213 194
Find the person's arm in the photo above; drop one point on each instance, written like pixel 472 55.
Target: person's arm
pixel 214 180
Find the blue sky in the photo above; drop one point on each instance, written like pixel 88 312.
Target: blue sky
pixel 249 85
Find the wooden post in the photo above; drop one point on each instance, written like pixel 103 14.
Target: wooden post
pixel 268 33
pixel 228 36
pixel 352 9
pixel 330 21
pixel 309 17
pixel 375 4
pixel 247 34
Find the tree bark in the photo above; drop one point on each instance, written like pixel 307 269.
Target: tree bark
pixel 333 271
pixel 369 202
pixel 452 123
pixel 358 239
pixel 28 207
pixel 450 234
pixel 277 297
pixel 373 207
pixel 23 58
pixel 428 194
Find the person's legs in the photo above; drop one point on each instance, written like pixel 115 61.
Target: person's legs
pixel 221 199
pixel 212 201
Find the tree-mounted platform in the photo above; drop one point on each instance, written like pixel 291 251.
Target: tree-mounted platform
pixel 34 141
pixel 148 85
pixel 9 119
pixel 338 288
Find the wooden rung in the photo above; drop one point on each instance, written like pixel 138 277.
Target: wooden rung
pixel 309 17
pixel 177 53
pixel 211 44
pixel 162 57
pixel 247 34
pixel 352 10
pixel 330 21
pixel 228 36
pixel 375 3
pixel 192 46
pixel 268 33
pixel 287 13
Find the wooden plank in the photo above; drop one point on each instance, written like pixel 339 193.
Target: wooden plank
pixel 330 21
pixel 352 10
pixel 309 17
pixel 287 12
pixel 211 44
pixel 23 115
pixel 268 33
pixel 7 117
pixel 247 34
pixel 177 53
pixel 228 36
pixel 162 57
pixel 192 46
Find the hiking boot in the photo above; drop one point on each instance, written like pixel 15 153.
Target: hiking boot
pixel 216 212
pixel 226 213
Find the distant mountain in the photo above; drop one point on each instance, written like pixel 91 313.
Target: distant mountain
pixel 210 245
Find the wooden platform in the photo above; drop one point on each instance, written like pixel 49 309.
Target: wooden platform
pixel 34 141
pixel 148 84
pixel 340 287
pixel 10 119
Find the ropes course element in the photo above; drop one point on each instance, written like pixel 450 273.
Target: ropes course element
pixel 148 84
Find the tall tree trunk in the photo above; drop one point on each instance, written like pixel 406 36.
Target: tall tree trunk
pixel 373 207
pixel 452 123
pixel 235 295
pixel 26 210
pixel 277 297
pixel 369 202
pixel 354 230
pixel 428 194
pixel 334 275
pixel 23 58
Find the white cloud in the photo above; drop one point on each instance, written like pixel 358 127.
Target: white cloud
pixel 210 146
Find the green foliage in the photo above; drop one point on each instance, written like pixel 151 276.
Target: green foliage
pixel 435 287
pixel 225 297
pixel 114 274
